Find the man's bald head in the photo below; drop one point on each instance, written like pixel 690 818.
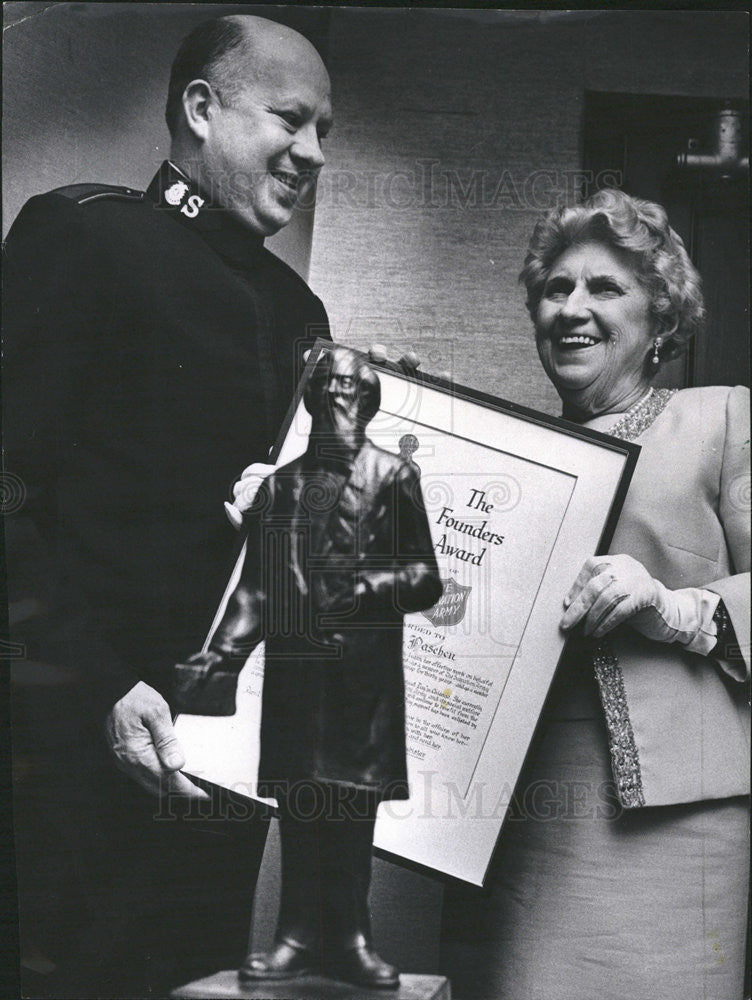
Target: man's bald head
pixel 229 52
pixel 248 108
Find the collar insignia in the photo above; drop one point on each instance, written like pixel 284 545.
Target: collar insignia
pixel 176 192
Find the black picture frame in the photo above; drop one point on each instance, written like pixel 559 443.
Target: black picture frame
pixel 470 724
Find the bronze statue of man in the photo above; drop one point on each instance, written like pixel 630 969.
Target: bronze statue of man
pixel 338 551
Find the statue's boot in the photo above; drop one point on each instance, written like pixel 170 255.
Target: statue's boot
pixel 286 960
pixel 346 853
pixel 361 965
pixel 297 940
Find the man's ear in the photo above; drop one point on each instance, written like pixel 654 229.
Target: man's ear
pixel 199 101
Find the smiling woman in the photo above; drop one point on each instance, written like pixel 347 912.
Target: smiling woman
pixel 622 879
pixel 611 292
pixel 594 329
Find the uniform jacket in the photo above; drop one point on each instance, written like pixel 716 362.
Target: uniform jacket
pixel 333 697
pixel 150 355
pixel 679 722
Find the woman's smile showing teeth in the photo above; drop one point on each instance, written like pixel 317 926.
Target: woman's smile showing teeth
pixel 575 340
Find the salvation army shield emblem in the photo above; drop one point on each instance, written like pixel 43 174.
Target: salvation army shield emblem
pixel 175 193
pixel 451 606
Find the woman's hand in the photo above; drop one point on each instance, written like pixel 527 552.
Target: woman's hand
pixel 244 491
pixel 612 590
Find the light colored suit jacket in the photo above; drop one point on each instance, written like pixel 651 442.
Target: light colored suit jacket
pixel 679 722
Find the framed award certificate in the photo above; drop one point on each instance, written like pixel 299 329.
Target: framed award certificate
pixel 516 500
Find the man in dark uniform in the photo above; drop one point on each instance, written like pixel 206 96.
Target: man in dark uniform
pixel 338 551
pixel 151 348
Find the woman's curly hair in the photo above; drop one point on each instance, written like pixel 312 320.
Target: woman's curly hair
pixel 640 229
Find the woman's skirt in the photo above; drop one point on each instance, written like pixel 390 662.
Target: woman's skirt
pixel 588 901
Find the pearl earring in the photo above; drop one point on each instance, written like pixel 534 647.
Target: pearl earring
pixel 656 348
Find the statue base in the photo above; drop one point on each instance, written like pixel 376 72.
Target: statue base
pixel 227 986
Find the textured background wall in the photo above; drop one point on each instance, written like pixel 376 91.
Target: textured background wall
pixel 494 98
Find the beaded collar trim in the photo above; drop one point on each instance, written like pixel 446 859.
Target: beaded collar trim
pixel 640 416
pixel 625 758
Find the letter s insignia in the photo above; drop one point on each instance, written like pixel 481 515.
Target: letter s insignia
pixel 191 208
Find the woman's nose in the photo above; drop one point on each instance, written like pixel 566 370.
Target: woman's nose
pixel 575 307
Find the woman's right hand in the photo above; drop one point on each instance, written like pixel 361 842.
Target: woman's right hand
pixel 244 492
pixel 615 589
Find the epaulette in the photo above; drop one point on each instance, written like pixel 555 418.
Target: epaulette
pixel 83 193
